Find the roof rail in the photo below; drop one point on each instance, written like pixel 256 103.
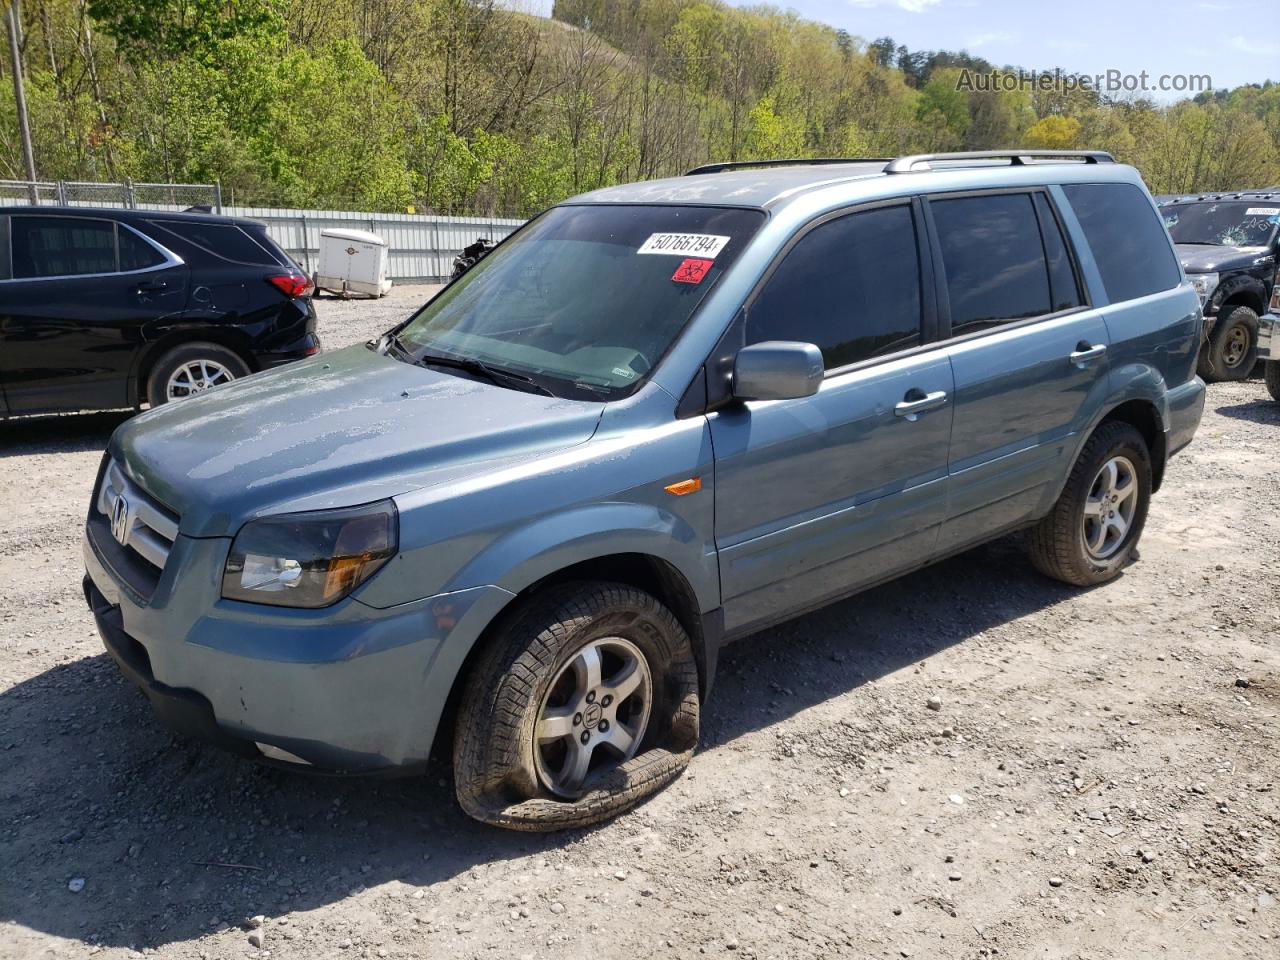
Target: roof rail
pixel 795 162
pixel 1016 158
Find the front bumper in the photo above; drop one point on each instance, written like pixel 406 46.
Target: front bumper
pixel 349 688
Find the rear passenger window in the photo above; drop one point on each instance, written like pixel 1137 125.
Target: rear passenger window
pixel 225 240
pixel 1126 235
pixel 136 253
pixel 993 258
pixel 62 246
pixel 1064 290
pixel 851 286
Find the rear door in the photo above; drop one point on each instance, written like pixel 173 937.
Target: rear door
pixel 72 311
pixel 1028 352
pixel 820 495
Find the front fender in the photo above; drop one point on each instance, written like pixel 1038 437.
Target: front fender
pixel 526 555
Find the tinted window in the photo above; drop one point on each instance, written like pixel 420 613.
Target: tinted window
pixel 993 258
pixel 225 240
pixel 850 286
pixel 1128 240
pixel 1063 288
pixel 136 253
pixel 62 246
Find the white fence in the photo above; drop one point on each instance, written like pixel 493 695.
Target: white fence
pixel 419 247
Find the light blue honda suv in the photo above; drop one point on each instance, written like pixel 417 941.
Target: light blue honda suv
pixel 658 417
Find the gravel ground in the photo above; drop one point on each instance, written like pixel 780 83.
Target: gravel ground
pixel 970 762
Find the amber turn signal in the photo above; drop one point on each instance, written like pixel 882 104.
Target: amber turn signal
pixel 684 487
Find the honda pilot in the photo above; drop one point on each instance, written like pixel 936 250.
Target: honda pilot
pixel 521 525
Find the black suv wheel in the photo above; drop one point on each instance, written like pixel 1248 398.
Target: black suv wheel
pixel 1232 350
pixel 193 368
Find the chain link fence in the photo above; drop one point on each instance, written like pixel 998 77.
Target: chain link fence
pixel 127 193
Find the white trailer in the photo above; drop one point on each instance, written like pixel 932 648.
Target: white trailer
pixel 352 262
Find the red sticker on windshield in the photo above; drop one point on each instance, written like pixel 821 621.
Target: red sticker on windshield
pixel 692 270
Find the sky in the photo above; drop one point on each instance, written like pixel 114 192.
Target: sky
pixel 1228 40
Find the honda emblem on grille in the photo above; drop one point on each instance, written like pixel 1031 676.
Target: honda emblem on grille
pixel 120 518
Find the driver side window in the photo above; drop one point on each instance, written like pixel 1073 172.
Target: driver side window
pixel 850 286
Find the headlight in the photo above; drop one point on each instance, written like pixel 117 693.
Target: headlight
pixel 1205 284
pixel 310 559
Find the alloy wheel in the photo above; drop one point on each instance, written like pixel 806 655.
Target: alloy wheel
pixel 1110 507
pixel 595 713
pixel 196 376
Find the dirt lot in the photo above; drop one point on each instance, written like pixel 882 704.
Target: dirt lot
pixel 1100 781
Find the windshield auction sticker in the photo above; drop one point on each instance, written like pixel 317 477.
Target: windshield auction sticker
pixel 684 244
pixel 1251 212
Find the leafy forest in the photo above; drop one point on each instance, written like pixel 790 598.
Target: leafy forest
pixel 474 106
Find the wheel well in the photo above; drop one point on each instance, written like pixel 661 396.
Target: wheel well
pixel 1143 415
pixel 223 338
pixel 651 574
pixel 1244 298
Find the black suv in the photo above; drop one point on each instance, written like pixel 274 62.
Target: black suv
pixel 102 309
pixel 1229 248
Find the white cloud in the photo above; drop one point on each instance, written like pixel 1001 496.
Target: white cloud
pixel 1256 48
pixel 910 6
pixel 986 39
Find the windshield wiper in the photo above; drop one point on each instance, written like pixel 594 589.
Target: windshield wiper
pixel 496 375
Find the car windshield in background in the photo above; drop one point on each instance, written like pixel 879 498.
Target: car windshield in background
pixel 585 300
pixel 1236 223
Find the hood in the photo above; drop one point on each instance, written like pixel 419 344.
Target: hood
pixel 338 429
pixel 1199 258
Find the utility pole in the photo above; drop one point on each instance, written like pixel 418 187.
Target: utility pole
pixel 14 24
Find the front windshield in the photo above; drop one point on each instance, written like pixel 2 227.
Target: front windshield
pixel 585 299
pixel 1234 223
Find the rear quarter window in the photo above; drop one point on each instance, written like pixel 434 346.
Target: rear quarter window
pixel 1128 239
pixel 225 240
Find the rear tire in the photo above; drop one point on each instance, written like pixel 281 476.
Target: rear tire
pixel 1232 350
pixel 1272 373
pixel 509 755
pixel 1081 541
pixel 193 368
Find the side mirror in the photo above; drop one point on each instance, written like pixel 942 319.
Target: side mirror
pixel 777 370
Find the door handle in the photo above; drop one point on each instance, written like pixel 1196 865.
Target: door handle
pixel 1084 354
pixel 917 402
pixel 151 286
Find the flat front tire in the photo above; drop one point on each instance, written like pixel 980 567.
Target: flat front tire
pixel 584 702
pixel 1091 532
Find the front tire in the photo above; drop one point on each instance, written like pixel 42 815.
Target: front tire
pixel 1232 350
pixel 584 703
pixel 1090 534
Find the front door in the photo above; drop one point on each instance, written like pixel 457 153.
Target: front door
pixel 816 497
pixel 73 311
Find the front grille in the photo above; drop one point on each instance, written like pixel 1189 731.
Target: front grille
pixel 140 524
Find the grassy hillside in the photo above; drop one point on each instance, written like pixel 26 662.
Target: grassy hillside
pixel 465 106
